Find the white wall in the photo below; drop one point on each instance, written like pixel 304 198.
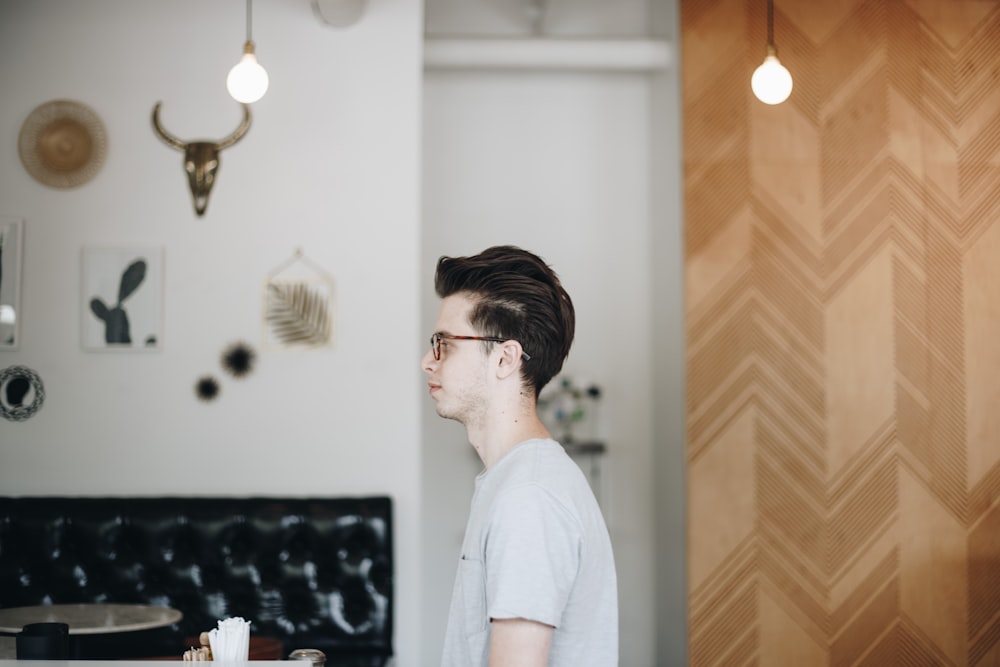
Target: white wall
pixel 329 165
pixel 556 163
pixel 668 354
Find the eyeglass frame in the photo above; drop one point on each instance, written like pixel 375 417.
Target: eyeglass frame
pixel 436 339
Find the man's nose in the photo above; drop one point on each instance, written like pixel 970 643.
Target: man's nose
pixel 427 361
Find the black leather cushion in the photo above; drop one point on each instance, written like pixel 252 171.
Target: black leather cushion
pixel 315 572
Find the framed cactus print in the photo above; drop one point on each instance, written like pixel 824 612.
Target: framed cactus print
pixel 122 299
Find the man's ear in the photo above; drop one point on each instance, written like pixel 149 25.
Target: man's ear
pixel 510 358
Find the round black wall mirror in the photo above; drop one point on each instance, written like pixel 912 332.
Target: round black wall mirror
pixel 21 393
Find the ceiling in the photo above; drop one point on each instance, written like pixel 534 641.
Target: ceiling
pixel 537 18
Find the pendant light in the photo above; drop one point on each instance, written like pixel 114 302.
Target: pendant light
pixel 247 80
pixel 771 82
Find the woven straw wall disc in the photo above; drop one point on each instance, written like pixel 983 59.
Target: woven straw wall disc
pixel 62 144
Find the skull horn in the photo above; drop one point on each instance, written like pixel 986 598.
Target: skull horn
pixel 238 132
pixel 166 136
pixel 201 158
pixel 182 145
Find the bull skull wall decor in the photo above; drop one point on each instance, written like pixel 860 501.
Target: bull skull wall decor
pixel 201 158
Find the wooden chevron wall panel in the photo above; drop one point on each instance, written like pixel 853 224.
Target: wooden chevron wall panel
pixel 842 279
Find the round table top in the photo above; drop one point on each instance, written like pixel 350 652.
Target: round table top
pixel 90 619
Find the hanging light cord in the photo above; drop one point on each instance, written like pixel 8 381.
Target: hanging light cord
pixel 249 20
pixel 770 22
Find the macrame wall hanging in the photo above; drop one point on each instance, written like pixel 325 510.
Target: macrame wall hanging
pixel 298 305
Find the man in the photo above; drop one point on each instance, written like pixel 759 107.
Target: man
pixel 536 580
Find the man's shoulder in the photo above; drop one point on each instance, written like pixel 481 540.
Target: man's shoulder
pixel 538 461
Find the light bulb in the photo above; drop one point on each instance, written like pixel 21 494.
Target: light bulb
pixel 247 80
pixel 771 82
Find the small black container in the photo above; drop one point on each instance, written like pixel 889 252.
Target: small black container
pixel 43 641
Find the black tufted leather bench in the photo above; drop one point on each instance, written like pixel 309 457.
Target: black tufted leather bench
pixel 314 572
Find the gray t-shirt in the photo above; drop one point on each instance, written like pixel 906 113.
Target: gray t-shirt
pixel 536 547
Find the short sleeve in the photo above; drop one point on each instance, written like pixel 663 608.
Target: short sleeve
pixel 532 556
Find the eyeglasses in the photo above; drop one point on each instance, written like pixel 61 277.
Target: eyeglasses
pixel 438 337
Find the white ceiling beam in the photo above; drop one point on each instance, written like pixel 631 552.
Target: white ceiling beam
pixel 623 55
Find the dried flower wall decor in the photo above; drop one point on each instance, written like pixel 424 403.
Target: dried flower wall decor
pixel 207 388
pixel 238 359
pixel 298 314
pixel 298 309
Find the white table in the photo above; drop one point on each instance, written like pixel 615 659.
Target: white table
pixel 91 619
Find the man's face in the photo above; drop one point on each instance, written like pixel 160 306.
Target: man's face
pixel 458 380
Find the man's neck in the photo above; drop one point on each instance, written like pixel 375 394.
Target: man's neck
pixel 504 430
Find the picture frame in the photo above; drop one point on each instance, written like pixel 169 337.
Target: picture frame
pixel 122 299
pixel 11 277
pixel 298 305
pixel 298 313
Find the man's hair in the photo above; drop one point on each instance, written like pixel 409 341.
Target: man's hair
pixel 517 296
